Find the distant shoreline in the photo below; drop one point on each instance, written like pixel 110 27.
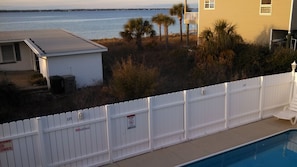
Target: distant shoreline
pixel 73 10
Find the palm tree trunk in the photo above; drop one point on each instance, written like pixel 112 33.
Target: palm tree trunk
pixel 139 42
pixel 181 30
pixel 160 32
pixel 166 35
pixel 188 34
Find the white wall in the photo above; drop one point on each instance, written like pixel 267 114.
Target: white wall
pixel 26 62
pixel 43 68
pixel 86 68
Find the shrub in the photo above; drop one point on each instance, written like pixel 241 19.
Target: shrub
pixel 280 60
pixel 132 81
pixel 251 60
pixel 37 79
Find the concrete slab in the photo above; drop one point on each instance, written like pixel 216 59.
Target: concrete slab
pixel 204 146
pixel 162 158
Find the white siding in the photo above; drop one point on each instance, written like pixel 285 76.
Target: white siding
pixel 86 68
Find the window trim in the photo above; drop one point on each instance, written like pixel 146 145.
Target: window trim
pixel 265 6
pixel 209 4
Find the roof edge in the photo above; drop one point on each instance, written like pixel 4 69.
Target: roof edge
pixel 82 38
pixel 73 53
pixel 33 47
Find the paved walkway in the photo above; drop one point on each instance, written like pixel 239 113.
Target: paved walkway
pixel 194 149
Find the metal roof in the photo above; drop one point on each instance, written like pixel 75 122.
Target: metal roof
pixel 52 42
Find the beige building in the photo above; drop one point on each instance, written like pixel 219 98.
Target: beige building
pixel 257 21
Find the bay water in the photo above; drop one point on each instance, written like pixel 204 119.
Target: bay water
pixel 95 24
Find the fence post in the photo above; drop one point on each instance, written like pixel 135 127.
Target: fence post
pixel 261 97
pixel 150 123
pixel 108 132
pixel 226 105
pixel 185 115
pixel 42 152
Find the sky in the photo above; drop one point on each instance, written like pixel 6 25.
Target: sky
pixel 85 4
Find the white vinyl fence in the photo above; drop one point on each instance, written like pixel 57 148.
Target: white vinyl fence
pixel 101 135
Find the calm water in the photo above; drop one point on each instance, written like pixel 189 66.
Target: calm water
pixel 88 24
pixel 279 150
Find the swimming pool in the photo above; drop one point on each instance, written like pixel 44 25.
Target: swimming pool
pixel 277 150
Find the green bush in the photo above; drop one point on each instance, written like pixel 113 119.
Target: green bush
pixel 132 81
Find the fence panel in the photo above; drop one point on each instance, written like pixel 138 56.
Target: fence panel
pixel 276 93
pixel 17 144
pixel 129 128
pixel 168 119
pixel 206 110
pixel 244 101
pixel 75 139
pixel 96 136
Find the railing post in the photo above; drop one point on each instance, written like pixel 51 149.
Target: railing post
pixel 293 65
pixel 108 131
pixel 42 152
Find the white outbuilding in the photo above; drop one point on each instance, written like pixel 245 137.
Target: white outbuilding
pixel 53 53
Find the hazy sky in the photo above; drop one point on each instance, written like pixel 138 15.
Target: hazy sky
pixel 90 4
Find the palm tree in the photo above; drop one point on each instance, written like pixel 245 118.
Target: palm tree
pixel 177 10
pixel 136 29
pixel 222 37
pixel 158 19
pixel 167 21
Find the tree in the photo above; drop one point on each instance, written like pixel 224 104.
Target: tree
pixel 158 19
pixel 136 29
pixel 177 10
pixel 219 46
pixel 167 21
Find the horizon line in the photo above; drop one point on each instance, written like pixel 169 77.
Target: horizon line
pixel 80 9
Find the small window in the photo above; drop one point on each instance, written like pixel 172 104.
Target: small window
pixel 265 7
pixel 8 54
pixel 209 4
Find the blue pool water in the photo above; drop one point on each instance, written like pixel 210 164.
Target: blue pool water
pixel 279 150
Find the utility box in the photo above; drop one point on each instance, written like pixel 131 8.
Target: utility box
pixel 57 84
pixel 69 83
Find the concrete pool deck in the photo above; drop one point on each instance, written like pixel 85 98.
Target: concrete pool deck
pixel 201 147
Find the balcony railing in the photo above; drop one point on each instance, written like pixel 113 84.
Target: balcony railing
pixel 191 18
